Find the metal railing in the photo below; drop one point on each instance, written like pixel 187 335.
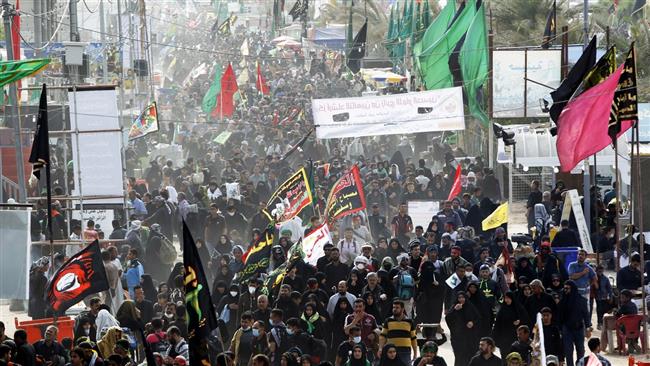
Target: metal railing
pixel 10 188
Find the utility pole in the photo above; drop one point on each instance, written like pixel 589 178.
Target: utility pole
pixel 102 37
pixel 586 179
pixel 74 37
pixel 9 12
pixel 37 26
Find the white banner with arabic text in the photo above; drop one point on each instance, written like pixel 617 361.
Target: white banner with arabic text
pixel 428 111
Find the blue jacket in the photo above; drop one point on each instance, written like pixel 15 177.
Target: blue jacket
pixel 133 273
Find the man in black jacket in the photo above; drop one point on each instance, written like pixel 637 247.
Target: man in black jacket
pixel 552 337
pixel 145 306
pixel 486 356
pixel 566 237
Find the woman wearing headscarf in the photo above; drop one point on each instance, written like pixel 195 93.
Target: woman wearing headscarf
pixel 389 356
pixel 103 322
pixel 107 343
pixel 37 285
pixel 177 270
pixel 358 357
pixel 218 291
pixel 342 309
pixel 485 310
pixel 149 288
pixel 510 316
pixel 394 249
pixel 372 305
pixel 224 246
pixel 153 257
pixel 463 318
pixel 313 322
pixel 542 219
pixel 524 268
pixel 129 316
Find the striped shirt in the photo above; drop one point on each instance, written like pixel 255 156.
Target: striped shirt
pixel 399 332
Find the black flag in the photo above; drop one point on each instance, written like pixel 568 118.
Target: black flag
pixel 563 93
pixel 358 50
pixel 81 276
pixel 625 104
pixel 201 320
pixel 299 9
pixel 40 155
pixel 550 30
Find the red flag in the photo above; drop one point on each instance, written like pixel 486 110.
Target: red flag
pixel 455 188
pixel 260 82
pixel 583 124
pixel 225 105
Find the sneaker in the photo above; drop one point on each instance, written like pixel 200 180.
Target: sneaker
pixel 599 327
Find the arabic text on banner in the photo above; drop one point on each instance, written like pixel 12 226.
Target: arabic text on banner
pixel 347 196
pixel 293 196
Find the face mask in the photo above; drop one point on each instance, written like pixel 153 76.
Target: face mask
pixel 361 266
pixel 169 315
pixel 357 339
pixel 256 332
pixel 289 331
pixel 271 321
pixel 251 289
pixel 233 293
pixel 231 213
pixel 86 331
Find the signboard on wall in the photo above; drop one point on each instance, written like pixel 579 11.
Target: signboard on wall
pixel 97 157
pixel 513 95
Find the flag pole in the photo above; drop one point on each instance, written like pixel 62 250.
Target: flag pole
pixel 639 217
pixel 618 207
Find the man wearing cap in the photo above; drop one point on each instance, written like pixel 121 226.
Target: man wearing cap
pixel 431 288
pixel 373 263
pixel 488 286
pixel 429 356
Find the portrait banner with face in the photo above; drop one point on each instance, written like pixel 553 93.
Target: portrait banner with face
pixel 82 275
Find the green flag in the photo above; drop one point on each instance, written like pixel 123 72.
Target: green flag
pixel 11 71
pixel 419 26
pixel 473 59
pixel 210 98
pixel 405 31
pixel 434 59
pixel 434 31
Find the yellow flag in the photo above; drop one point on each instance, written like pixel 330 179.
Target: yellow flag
pixel 496 218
